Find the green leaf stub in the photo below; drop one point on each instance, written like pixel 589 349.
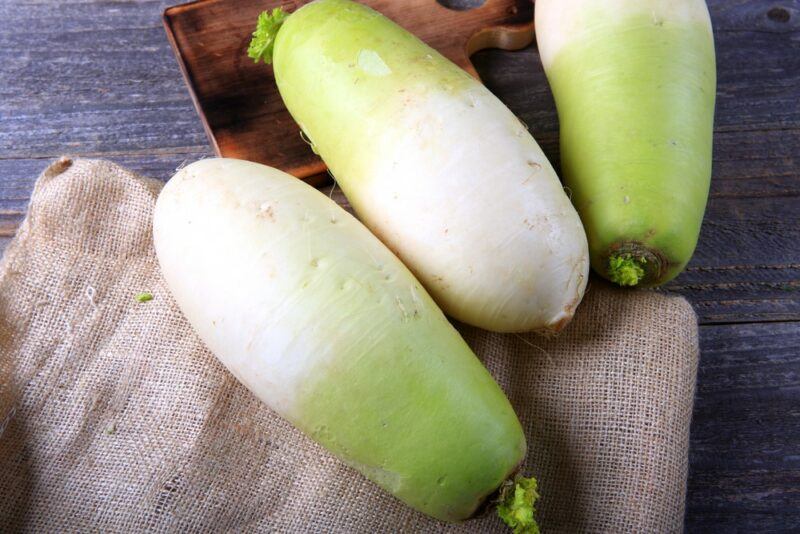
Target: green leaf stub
pixel 263 42
pixel 516 506
pixel 626 270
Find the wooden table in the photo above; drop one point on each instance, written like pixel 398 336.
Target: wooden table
pixel 96 78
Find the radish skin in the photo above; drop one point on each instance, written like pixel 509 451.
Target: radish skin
pixel 325 325
pixel 434 164
pixel 635 85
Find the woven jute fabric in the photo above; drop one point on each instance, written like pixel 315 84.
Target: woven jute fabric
pixel 114 417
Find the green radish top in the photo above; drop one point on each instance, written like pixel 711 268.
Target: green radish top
pixel 516 506
pixel 625 270
pixel 263 42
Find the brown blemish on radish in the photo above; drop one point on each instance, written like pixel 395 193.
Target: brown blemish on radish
pixel 265 211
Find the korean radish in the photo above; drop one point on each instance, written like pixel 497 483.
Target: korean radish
pixel 433 163
pixel 325 325
pixel 635 84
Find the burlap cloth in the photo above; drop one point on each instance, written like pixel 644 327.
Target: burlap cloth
pixel 113 417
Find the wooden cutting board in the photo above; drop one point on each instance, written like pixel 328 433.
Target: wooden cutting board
pixel 238 101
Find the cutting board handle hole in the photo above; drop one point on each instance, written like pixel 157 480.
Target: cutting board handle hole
pixel 456 5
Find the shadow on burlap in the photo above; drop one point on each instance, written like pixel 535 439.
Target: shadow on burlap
pixel 114 417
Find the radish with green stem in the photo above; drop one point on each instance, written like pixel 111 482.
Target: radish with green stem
pixel 635 85
pixel 324 324
pixel 433 163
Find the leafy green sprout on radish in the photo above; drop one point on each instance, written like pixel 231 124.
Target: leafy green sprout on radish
pixel 263 41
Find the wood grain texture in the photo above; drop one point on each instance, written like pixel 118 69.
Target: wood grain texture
pixel 745 440
pixel 97 79
pixel 238 101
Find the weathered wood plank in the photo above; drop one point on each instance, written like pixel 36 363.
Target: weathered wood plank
pixel 90 78
pixel 747 263
pixel 744 456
